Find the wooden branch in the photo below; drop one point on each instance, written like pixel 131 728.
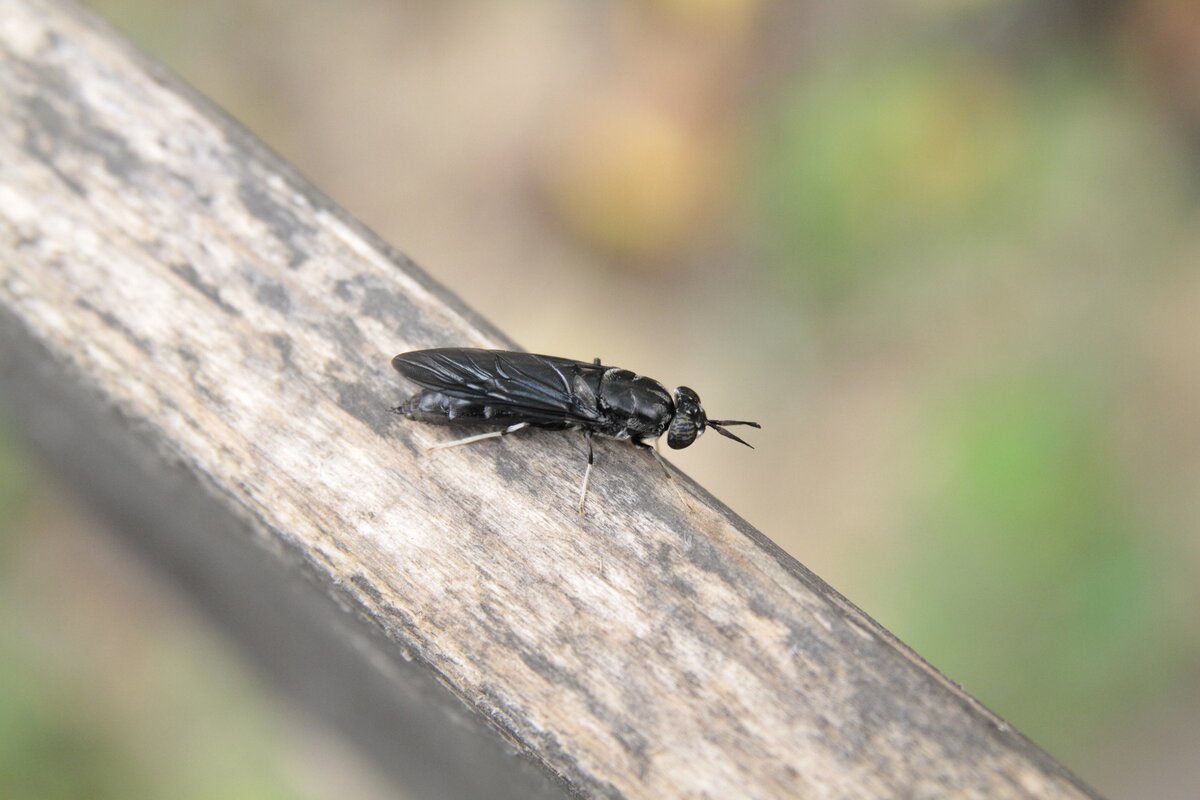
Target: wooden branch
pixel 200 342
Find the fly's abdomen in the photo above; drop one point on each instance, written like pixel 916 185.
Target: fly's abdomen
pixel 442 409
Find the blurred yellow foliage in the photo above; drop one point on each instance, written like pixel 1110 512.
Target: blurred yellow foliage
pixel 629 178
pixel 727 18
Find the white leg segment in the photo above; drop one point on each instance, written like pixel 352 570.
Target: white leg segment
pixel 478 437
pixel 587 474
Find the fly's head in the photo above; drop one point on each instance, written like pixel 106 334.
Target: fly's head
pixel 690 421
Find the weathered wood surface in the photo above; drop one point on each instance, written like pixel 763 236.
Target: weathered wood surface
pixel 200 341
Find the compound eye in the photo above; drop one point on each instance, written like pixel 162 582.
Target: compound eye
pixel 682 432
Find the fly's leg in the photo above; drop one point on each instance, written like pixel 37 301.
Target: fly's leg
pixel 587 473
pixel 478 437
pixel 670 478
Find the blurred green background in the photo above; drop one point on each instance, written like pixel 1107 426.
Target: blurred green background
pixel 945 250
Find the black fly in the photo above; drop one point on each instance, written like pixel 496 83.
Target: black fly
pixel 512 391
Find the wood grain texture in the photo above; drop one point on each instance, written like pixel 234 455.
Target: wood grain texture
pixel 188 289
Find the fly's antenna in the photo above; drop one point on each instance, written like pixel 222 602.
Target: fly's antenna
pixel 716 424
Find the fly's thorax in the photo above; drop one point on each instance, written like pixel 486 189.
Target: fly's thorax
pixel 689 419
pixel 640 407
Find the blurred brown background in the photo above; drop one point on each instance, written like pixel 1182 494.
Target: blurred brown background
pixel 945 251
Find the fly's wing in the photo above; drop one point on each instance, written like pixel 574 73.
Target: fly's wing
pixel 538 388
